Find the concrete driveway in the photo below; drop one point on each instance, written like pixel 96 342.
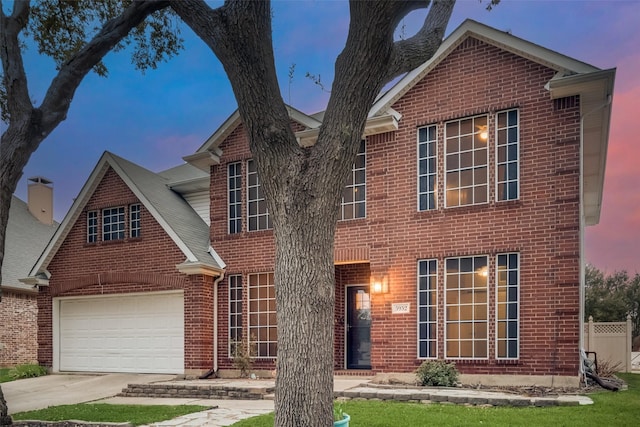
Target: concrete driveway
pixel 65 389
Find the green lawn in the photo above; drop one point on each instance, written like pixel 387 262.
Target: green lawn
pixel 609 409
pixel 103 412
pixel 4 375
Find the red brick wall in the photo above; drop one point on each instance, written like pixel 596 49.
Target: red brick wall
pixel 144 264
pixel 543 225
pixel 18 335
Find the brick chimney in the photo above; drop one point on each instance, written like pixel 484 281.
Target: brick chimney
pixel 40 199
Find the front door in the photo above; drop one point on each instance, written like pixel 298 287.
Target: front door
pixel 358 327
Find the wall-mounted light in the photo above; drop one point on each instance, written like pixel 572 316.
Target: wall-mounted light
pixel 379 285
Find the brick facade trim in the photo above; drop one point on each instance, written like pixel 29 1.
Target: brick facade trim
pixel 114 277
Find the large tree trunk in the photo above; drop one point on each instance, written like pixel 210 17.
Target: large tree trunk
pixel 303 185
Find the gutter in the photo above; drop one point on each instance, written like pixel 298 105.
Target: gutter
pixel 582 229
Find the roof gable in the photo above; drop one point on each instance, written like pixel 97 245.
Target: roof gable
pixel 181 223
pixel 563 64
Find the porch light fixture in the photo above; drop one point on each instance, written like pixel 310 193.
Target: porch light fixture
pixel 379 285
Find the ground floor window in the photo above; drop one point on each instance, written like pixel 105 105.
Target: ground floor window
pixel 466 307
pixel 507 300
pixel 235 314
pixel 427 308
pixel 263 332
pixel 468 290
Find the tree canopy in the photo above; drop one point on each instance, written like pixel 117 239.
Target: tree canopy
pixel 611 297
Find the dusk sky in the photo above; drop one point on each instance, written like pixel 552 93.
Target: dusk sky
pixel 157 118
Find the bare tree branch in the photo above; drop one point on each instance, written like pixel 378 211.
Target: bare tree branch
pixel 410 53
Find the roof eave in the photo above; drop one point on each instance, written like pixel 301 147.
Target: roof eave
pixel 596 91
pixel 374 126
pixel 193 268
pixel 203 160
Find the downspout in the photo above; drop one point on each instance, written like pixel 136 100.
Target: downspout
pixel 582 229
pixel 215 328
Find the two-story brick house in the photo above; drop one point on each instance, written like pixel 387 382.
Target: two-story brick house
pixel 460 235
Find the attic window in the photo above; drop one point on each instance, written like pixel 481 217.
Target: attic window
pixel 113 224
pixel 92 227
pixel 134 220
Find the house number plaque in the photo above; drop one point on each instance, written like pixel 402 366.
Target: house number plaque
pixel 400 307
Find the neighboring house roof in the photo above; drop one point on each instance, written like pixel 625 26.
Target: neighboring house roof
pixel 573 77
pixel 181 223
pixel 26 237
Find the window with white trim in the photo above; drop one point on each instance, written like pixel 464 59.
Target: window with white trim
pixel 113 224
pixel 427 308
pixel 507 301
pixel 134 220
pixel 257 215
pixel 427 173
pixel 354 195
pixel 263 331
pixel 92 226
pixel 235 314
pixel 507 155
pixel 234 188
pixel 466 162
pixel 466 308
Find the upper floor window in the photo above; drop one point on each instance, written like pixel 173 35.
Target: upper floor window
pixel 354 195
pixel 507 150
pixel 427 174
pixel 134 220
pixel 113 223
pixel 466 161
pixel 257 215
pixel 234 188
pixel 92 226
pixel 466 308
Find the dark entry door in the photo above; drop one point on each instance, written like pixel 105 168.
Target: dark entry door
pixel 358 327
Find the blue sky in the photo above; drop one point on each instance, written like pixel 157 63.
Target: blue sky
pixel 156 118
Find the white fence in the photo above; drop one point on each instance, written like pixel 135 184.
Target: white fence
pixel 611 341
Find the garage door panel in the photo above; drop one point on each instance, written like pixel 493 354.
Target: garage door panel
pixel 140 333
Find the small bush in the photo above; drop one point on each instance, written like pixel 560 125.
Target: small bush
pixel 27 371
pixel 437 373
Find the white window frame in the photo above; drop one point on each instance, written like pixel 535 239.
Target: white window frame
pixel 431 289
pixel 428 160
pixel 507 142
pixel 260 220
pixel 354 195
pixel 476 131
pixel 473 305
pixel 92 226
pixel 235 301
pixel 108 215
pixel 262 314
pixel 512 281
pixel 135 225
pixel 234 198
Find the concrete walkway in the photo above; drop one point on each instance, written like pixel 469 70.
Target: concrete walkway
pixel 228 412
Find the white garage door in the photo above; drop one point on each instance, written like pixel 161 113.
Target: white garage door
pixel 137 333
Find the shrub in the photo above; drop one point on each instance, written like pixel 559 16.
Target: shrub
pixel 27 371
pixel 437 373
